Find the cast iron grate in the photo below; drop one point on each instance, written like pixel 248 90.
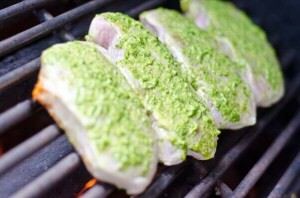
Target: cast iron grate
pixel 43 163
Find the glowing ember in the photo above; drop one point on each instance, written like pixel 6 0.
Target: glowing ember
pixel 90 183
pixel 87 186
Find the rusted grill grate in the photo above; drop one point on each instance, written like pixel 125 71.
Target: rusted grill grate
pixel 45 158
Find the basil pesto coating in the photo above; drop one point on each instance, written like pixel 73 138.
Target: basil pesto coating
pixel 163 89
pixel 211 72
pixel 113 118
pixel 249 41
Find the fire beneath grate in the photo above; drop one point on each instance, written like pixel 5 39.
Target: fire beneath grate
pixel 36 159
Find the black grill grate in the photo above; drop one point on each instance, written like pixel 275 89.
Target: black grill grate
pixel 44 160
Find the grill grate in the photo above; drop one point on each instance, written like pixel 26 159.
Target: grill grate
pixel 60 161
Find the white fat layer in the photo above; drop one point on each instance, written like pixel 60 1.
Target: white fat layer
pixel 219 121
pixel 111 52
pixel 257 85
pixel 225 46
pixel 167 152
pixel 202 19
pixel 265 98
pixel 195 155
pixel 59 100
pixel 150 22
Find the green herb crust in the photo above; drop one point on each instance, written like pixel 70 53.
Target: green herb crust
pixel 247 38
pixel 113 117
pixel 164 90
pixel 212 72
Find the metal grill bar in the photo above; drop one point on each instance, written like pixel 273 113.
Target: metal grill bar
pixel 148 5
pixel 17 114
pixel 294 188
pixel 49 178
pixel 18 75
pixel 23 72
pixel 164 180
pixel 47 27
pixel 43 16
pixel 286 179
pixel 28 69
pixel 233 154
pixel 96 191
pixel 259 168
pixel 28 147
pixel 224 190
pixel 99 191
pixel 34 165
pixel 22 7
pixel 31 190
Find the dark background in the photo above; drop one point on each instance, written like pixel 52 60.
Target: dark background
pixel 280 19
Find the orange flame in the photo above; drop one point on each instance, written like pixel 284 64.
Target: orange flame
pixel 89 184
pixel 38 89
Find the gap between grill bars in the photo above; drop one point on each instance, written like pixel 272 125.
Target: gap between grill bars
pixel 22 7
pixel 287 178
pixel 161 183
pixel 230 157
pixel 36 32
pixel 256 172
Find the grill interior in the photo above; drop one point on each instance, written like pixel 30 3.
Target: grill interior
pixel 36 159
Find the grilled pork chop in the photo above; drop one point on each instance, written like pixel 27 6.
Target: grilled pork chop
pixel 107 124
pixel 182 122
pixel 216 78
pixel 243 41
